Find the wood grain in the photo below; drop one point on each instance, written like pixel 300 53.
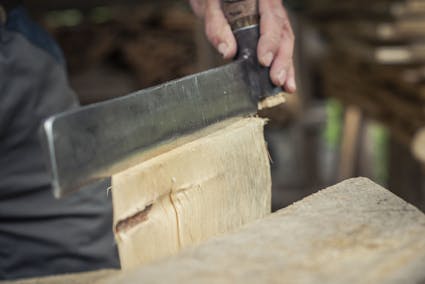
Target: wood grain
pixel 204 188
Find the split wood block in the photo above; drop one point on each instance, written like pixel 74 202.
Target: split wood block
pixel 353 232
pixel 212 185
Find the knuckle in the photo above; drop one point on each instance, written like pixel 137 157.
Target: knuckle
pixel 208 30
pixel 211 34
pixel 280 16
pixel 287 29
pixel 279 29
pixel 291 36
pixel 288 38
pixel 271 40
pixel 284 58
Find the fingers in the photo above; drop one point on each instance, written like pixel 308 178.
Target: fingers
pixel 218 30
pixel 282 63
pixel 270 31
pixel 276 44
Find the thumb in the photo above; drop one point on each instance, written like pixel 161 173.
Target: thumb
pixel 218 30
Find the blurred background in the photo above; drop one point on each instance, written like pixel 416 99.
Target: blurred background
pixel 360 107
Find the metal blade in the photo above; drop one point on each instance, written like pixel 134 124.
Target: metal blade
pixel 98 140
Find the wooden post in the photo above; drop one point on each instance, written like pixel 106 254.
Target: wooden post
pixel 350 142
pixel 418 145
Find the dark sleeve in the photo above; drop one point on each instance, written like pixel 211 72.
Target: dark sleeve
pixel 40 235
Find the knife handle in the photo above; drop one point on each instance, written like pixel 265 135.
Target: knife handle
pixel 243 18
pixel 241 13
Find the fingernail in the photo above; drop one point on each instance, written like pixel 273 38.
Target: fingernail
pixel 222 48
pixel 267 59
pixel 292 85
pixel 281 77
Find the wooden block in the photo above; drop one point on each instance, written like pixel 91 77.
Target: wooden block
pixel 353 232
pixel 204 188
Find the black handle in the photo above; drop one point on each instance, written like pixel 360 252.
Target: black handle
pixel 243 18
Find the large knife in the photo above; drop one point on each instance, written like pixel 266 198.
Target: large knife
pixel 94 142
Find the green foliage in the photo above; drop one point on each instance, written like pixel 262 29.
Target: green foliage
pixel 67 18
pixel 100 15
pixel 380 139
pixel 334 122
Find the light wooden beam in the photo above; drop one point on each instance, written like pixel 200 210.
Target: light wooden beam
pixel 353 232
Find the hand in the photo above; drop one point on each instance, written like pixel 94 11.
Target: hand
pixel 276 43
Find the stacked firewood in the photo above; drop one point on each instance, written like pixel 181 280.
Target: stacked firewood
pixel 152 41
pixel 376 59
